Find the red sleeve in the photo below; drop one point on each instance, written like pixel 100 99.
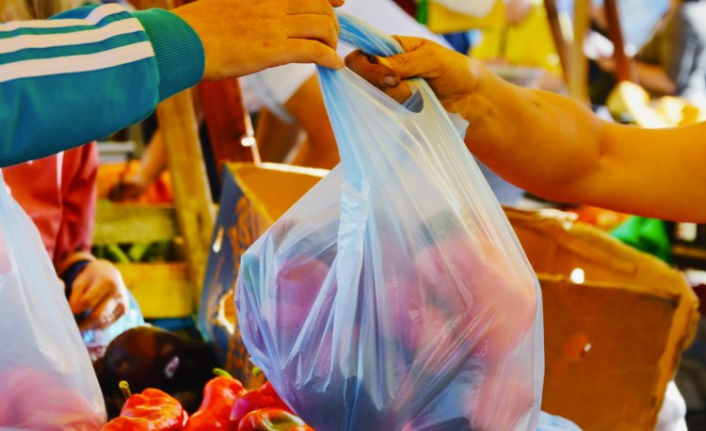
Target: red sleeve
pixel 78 189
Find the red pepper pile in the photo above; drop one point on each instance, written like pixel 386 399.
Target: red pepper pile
pixel 226 406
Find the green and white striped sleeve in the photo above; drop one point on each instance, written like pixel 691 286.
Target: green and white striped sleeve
pixel 86 73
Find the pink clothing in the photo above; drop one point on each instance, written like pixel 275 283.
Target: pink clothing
pixel 59 194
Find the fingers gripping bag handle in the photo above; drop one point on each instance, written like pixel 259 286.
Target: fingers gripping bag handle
pixel 47 381
pixel 395 295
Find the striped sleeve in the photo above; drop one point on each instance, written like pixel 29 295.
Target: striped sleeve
pixel 86 73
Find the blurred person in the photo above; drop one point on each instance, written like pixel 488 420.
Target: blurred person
pixel 522 37
pixel 58 192
pixel 673 61
pixel 638 19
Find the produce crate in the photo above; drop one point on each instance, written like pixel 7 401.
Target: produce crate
pixel 162 289
pixel 616 320
pixel 252 199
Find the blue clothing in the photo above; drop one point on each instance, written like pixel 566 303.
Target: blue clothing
pixel 86 73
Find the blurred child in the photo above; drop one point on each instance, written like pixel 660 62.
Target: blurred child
pixel 59 195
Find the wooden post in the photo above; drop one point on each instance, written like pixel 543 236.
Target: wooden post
pixel 558 36
pixel 624 66
pixel 578 64
pixel 192 196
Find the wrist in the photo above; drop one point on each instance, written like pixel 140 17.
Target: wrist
pixel 71 272
pixel 178 49
pixel 475 95
pixel 70 260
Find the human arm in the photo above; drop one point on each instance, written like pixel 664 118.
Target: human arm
pixel 652 77
pixel 666 62
pixel 95 287
pixel 114 66
pixel 49 93
pixel 152 164
pixel 554 146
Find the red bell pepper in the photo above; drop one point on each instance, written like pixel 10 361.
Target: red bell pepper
pixel 128 424
pixel 163 412
pixel 268 391
pixel 271 419
pixel 255 400
pixel 219 395
pixel 247 402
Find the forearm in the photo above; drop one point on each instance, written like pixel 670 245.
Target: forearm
pixel 654 78
pixel 99 69
pixel 557 148
pixel 537 140
pixel 154 159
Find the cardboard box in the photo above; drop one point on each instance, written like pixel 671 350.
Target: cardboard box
pixel 252 199
pixel 616 322
pixel 613 335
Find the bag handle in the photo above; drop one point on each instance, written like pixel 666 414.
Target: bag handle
pixel 370 40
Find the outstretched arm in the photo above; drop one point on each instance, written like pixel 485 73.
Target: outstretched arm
pixel 554 146
pixel 91 71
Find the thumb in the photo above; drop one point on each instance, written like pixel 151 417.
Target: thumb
pixel 380 75
pixel 78 290
pixel 416 61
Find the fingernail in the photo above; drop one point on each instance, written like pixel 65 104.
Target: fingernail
pixel 391 80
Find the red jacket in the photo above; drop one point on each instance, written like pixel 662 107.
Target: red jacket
pixel 59 194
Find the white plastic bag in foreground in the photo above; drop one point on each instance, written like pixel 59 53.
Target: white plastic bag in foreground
pixel 47 382
pixel 395 295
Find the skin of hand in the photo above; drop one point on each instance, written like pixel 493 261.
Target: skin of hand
pixel 130 188
pixel 552 145
pixel 152 164
pixel 245 36
pixel 100 289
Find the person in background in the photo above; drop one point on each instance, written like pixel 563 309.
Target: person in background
pixel 673 61
pixel 638 19
pixel 522 37
pixel 58 192
pixel 145 56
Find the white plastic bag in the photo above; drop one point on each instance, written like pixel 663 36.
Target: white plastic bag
pixel 395 295
pixel 47 382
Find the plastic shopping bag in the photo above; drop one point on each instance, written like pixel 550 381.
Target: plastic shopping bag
pixel 47 381
pixel 395 295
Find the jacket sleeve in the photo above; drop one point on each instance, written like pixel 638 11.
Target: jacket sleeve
pixel 86 73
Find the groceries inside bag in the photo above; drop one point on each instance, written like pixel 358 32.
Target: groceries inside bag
pixel 394 295
pixel 47 382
